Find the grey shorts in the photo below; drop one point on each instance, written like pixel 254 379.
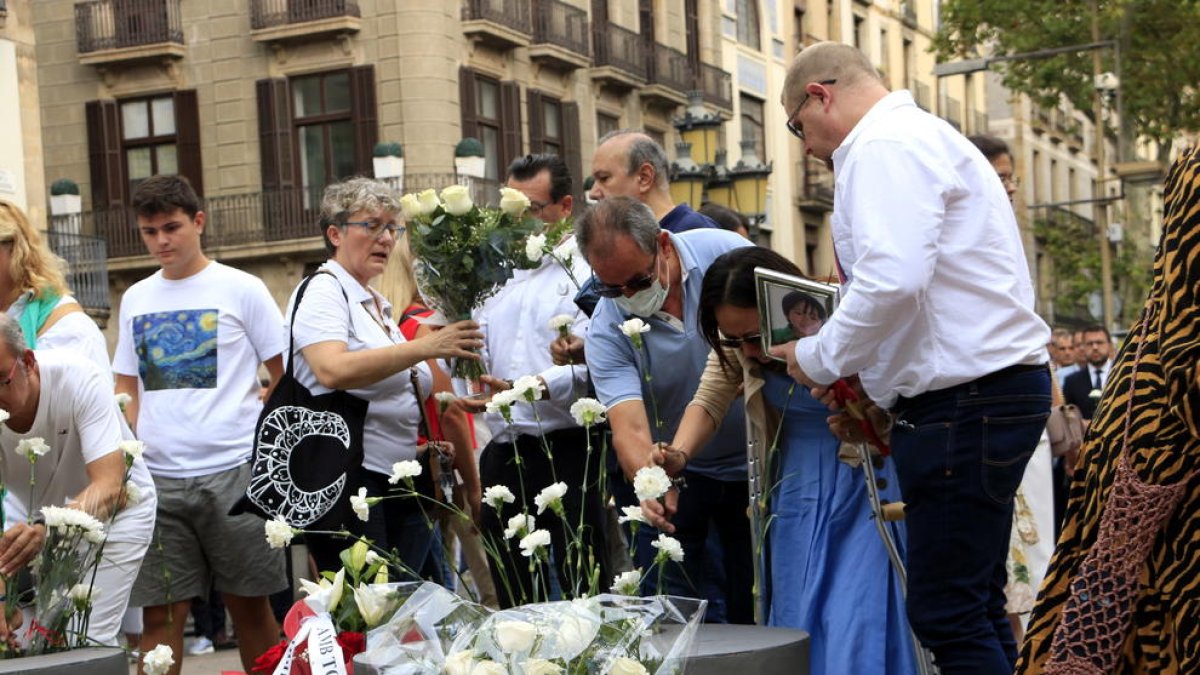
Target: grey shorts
pixel 197 543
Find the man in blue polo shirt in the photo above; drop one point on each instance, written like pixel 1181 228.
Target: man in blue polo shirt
pixel 642 270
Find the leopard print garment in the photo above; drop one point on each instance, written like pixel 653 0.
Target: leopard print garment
pixel 1164 449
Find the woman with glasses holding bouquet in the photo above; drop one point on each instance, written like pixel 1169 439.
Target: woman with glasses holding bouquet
pixel 346 338
pixel 828 572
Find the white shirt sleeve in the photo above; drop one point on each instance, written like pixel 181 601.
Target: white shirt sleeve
pixel 894 208
pixel 323 315
pixel 97 416
pixel 262 321
pixel 125 361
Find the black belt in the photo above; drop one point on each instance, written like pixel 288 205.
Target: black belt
pixel 904 403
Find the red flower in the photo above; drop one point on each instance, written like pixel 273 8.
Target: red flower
pixel 351 644
pixel 269 660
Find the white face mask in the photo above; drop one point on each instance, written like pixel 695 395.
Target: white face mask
pixel 647 301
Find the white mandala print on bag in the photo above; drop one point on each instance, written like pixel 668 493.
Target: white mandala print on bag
pixel 272 487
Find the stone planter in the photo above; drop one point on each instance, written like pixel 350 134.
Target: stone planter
pixel 92 661
pixel 389 167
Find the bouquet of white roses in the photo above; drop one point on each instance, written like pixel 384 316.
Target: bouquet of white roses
pixel 465 252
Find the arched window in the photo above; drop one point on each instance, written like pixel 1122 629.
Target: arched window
pixel 747 24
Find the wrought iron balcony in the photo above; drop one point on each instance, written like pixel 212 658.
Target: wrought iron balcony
pixel 668 75
pixel 619 56
pixel 503 24
pixel 110 31
pixel 256 224
pixel 717 86
pixel 87 263
pixel 817 194
pixel 286 20
pixel 560 35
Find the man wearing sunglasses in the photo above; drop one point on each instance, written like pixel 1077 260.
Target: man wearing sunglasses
pixel 643 271
pixel 937 318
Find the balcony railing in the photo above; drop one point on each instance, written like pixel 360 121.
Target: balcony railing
pixel 920 92
pixel 513 14
pixel 257 217
pixel 87 262
pixel 102 25
pixel 668 66
pixel 557 23
pixel 620 48
pixel 275 13
pixel 717 86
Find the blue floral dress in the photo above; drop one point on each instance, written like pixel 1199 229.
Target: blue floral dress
pixel 829 570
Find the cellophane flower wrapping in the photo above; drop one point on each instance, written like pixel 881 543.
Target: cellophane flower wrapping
pixel 441 633
pixel 420 634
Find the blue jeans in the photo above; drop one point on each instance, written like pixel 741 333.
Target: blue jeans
pixel 960 455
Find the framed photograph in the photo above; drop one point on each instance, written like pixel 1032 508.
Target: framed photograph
pixel 791 307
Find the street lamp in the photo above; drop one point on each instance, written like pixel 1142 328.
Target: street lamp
pixel 700 128
pixel 687 178
pixel 1107 81
pixel 750 185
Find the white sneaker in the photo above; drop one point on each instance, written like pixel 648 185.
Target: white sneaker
pixel 200 645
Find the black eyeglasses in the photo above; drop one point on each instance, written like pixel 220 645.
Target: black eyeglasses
pixel 798 132
pixel 735 342
pixel 639 284
pixel 376 228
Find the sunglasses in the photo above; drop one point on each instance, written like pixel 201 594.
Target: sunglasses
pixel 798 131
pixel 639 284
pixel 735 342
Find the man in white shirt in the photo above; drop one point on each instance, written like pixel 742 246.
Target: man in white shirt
pixel 191 339
pixel 516 325
pixel 936 317
pixel 62 399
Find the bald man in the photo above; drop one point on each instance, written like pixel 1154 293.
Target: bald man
pixel 628 163
pixel 937 319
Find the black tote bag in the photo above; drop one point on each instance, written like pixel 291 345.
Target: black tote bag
pixel 308 450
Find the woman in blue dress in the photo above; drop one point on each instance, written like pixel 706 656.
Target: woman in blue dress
pixel 828 571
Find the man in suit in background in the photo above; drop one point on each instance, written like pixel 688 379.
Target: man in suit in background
pixel 1084 387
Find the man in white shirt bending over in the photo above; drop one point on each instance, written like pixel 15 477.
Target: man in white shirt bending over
pixel 936 317
pixel 192 336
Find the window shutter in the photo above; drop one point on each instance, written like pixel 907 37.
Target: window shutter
pixel 104 153
pixel 275 134
pixel 466 102
pixel 363 116
pixel 571 143
pixel 533 103
pixel 510 122
pixel 187 138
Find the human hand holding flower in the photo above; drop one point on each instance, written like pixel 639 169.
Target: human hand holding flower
pixel 20 544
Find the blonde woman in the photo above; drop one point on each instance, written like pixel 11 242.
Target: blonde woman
pixel 34 293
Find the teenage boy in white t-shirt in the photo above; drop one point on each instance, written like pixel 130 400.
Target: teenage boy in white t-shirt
pixel 192 336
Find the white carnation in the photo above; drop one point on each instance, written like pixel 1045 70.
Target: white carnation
pixel 549 496
pixel 133 493
pixel 132 449
pixel 651 482
pixel 533 542
pixel 634 327
pixel 668 546
pixel 32 448
pixel 409 468
pixel 497 495
pixel 561 323
pixel 359 503
pixel 279 533
pixel 158 661
pixel 123 400
pixel 535 247
pixel 65 519
pixel 528 388
pixel 632 514
pixel 627 583
pixel 3 416
pixel 588 412
pixel 83 594
pixel 518 525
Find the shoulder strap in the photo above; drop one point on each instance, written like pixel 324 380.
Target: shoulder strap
pixel 296 306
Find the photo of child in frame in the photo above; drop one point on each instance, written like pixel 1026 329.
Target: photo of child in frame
pixel 792 307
